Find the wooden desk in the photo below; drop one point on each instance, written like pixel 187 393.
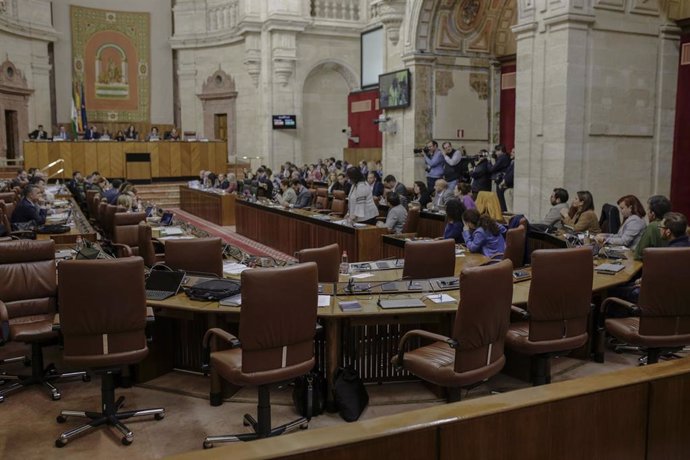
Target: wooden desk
pixel 81 227
pixel 212 205
pixel 431 224
pixel 292 230
pixel 167 159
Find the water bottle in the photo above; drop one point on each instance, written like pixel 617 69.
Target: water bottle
pixel 344 265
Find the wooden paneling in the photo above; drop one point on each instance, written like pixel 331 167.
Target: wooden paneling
pixel 210 206
pixel 669 419
pixel 355 155
pixel 291 231
pixel 431 225
pixel 168 159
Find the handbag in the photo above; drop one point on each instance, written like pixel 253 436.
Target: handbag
pixel 309 395
pixel 349 394
pixel 213 290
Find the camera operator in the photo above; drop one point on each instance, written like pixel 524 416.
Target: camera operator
pixel 500 167
pixel 433 157
pixel 452 169
pixel 481 174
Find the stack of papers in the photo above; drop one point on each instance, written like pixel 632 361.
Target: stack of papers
pixel 324 301
pixel 609 268
pixel 351 305
pixel 232 301
pixel 233 268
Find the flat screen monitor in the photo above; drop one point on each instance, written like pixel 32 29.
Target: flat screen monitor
pixel 394 89
pixel 284 122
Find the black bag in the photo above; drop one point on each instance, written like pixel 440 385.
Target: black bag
pixel 213 290
pixel 88 253
pixel 349 393
pixel 309 395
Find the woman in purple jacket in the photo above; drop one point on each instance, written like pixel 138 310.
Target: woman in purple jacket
pixel 482 234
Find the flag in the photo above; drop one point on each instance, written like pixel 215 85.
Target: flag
pixel 82 106
pixel 75 120
pixel 76 99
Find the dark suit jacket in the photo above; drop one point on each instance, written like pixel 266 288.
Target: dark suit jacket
pixel 499 168
pixel 303 198
pixel 481 177
pixel 36 134
pixel 27 211
pixel 89 134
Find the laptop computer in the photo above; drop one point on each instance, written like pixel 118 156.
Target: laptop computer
pixel 167 218
pixel 162 284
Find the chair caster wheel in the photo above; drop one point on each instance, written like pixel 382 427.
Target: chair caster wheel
pixel 126 441
pixel 304 426
pixel 159 416
pixel 61 419
pixel 27 362
pixel 208 445
pixel 56 396
pixel 86 378
pixel 51 370
pixel 60 443
pixel 245 423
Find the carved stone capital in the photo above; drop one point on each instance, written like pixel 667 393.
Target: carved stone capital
pixel 391 14
pixel 283 69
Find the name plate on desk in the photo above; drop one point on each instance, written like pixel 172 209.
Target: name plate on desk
pixel 401 303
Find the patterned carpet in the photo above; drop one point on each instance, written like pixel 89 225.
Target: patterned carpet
pixel 228 235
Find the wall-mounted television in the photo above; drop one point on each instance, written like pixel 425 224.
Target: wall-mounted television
pixel 394 89
pixel 284 122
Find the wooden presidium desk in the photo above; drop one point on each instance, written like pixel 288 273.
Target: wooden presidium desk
pixel 213 205
pixel 291 230
pixel 130 160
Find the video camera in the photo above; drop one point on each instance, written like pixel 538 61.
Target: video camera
pixel 424 150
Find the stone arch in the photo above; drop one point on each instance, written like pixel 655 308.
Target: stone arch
pixel 14 98
pixel 338 66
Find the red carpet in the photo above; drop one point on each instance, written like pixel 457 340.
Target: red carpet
pixel 249 246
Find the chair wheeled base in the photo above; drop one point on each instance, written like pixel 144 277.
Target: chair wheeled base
pixel 39 375
pixel 109 416
pixel 262 427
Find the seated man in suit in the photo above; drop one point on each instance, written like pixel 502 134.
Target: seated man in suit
pixel 392 183
pixel 62 134
pixel 38 133
pixel 21 180
pixel 674 229
pixel 28 208
pixel 441 194
pixel 303 195
pixel 91 134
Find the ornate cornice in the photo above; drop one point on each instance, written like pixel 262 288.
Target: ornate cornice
pixel 22 29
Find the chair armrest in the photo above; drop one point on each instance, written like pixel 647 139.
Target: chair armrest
pixel 452 343
pixel 4 324
pixel 497 256
pixel 521 312
pixel 634 309
pixel 122 250
pixel 206 345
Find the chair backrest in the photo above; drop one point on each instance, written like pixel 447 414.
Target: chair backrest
pixel 515 246
pixel 4 218
pixel 90 194
pixel 108 218
pixel 321 198
pixel 327 260
pixel 145 243
pixel 483 316
pixel 102 322
pixel 560 295
pixel 126 229
pixel 28 286
pixel 8 197
pixel 203 255
pixel 412 222
pixel 277 324
pixel 665 292
pixel 338 204
pixel 609 219
pixel 429 259
pixel 8 209
pixel 100 214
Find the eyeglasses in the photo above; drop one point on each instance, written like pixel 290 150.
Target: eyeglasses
pixel 661 227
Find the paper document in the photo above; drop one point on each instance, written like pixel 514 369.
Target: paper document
pixel 362 275
pixel 233 268
pixel 441 298
pixel 171 231
pixel 232 301
pixel 324 301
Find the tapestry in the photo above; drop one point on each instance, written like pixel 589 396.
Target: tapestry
pixel 111 58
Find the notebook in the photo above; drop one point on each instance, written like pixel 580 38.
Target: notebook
pixel 162 284
pixel 609 269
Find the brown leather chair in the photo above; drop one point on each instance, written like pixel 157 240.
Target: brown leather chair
pixel 515 246
pixel 474 352
pixel 429 259
pixel 103 333
pixel 100 215
pixel 321 198
pixel 277 341
pixel 327 260
pixel 147 249
pixel 661 318
pixel 126 232
pixel 558 307
pixel 109 218
pixel 412 222
pixel 9 197
pixel 90 195
pixel 28 302
pixel 338 203
pixel 201 255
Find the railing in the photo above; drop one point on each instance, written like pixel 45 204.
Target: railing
pixel 342 10
pixel 222 17
pixel 7 162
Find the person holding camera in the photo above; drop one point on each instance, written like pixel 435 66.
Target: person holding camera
pixel 452 169
pixel 481 174
pixel 433 157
